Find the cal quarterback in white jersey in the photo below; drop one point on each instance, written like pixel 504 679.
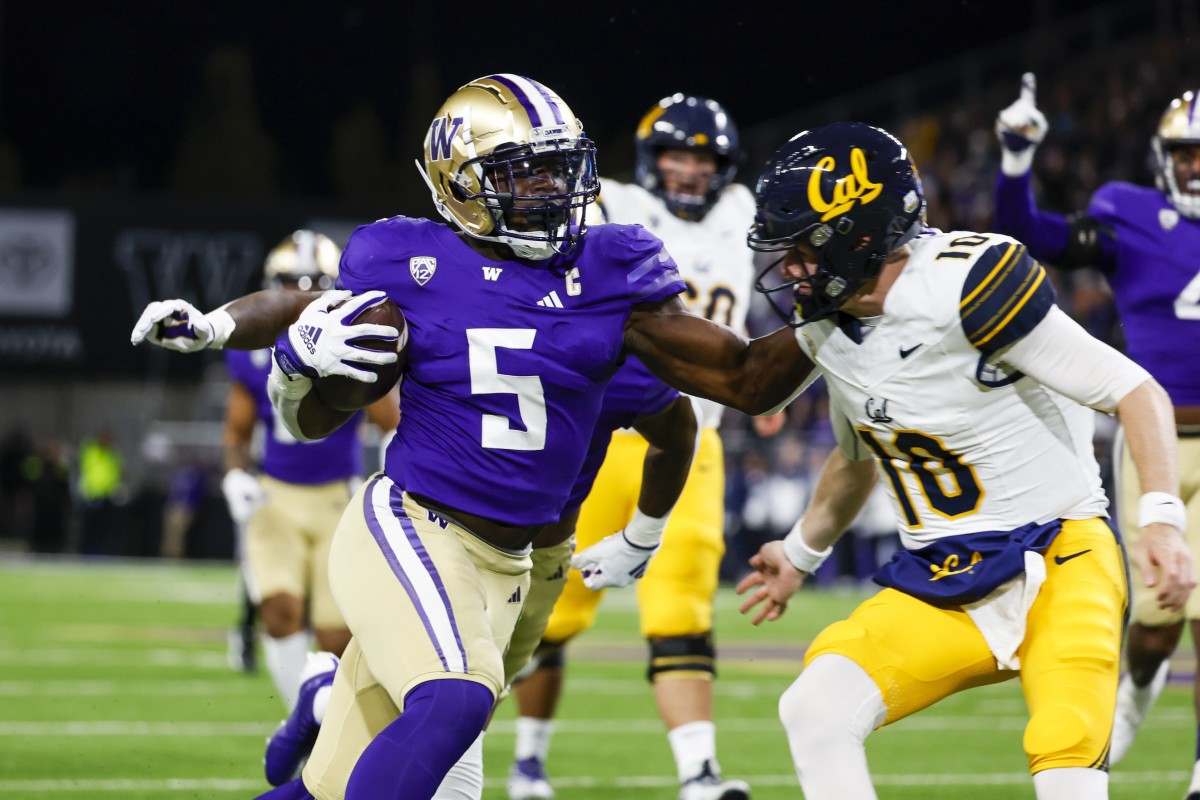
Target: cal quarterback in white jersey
pixel 688 155
pixel 921 389
pixel 955 379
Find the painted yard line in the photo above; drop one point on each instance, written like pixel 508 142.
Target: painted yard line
pixel 564 782
pixel 83 687
pixel 92 688
pixel 132 657
pixel 1160 721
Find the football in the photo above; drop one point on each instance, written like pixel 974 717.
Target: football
pixel 347 394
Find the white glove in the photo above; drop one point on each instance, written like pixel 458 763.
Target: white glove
pixel 321 341
pixel 243 493
pixel 1021 128
pixel 612 561
pixel 178 325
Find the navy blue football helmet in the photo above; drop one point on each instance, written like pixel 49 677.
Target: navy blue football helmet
pixel 848 190
pixel 691 123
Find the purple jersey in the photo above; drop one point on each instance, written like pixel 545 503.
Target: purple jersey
pixel 507 363
pixel 1148 251
pixel 1155 280
pixel 334 458
pixel 633 392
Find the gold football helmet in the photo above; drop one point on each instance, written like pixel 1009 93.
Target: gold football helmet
pixel 305 259
pixel 507 162
pixel 1180 125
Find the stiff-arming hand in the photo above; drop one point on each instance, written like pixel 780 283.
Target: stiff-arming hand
pixel 243 494
pixel 612 561
pixel 1021 128
pixel 777 580
pixel 323 340
pixel 178 325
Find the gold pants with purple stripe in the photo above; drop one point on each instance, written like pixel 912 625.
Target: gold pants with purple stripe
pixel 426 600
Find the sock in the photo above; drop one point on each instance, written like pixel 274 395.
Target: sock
pixel 1194 786
pixel 533 738
pixel 693 743
pixel 827 713
pixel 408 759
pixel 292 790
pixel 285 659
pixel 1071 783
pixel 464 781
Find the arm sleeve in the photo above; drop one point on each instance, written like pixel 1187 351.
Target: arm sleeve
pixel 1018 216
pixel 1062 356
pixel 1079 240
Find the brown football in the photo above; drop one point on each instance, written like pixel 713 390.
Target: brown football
pixel 347 394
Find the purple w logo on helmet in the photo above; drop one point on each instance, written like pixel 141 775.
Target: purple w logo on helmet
pixel 441 137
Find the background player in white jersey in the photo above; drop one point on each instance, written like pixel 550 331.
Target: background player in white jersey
pixel 288 504
pixel 507 363
pixel 954 376
pixel 687 157
pixel 1147 243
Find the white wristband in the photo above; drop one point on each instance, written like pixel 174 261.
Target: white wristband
pixel 222 327
pixel 1161 507
pixel 645 531
pixel 803 557
pixel 285 395
pixel 1014 165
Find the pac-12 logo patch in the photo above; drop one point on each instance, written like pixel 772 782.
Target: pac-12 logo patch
pixel 422 268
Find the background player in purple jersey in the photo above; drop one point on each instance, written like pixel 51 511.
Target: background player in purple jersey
pixel 287 506
pixel 1147 243
pixel 517 322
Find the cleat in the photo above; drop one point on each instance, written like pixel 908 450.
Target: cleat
pixel 527 781
pixel 1133 704
pixel 293 740
pixel 708 785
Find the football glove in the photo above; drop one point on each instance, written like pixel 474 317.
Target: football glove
pixel 1021 128
pixel 612 561
pixel 178 325
pixel 322 341
pixel 243 494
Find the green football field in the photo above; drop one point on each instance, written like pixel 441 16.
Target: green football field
pixel 114 684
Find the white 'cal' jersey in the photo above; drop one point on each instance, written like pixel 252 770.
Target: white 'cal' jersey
pixel 711 254
pixel 961 445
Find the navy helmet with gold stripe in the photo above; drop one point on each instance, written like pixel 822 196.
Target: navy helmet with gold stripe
pixel 849 191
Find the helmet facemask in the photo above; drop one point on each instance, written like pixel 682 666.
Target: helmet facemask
pixel 1186 199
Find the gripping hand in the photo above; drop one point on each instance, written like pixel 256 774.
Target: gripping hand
pixel 612 561
pixel 1021 128
pixel 243 494
pixel 178 325
pixel 322 341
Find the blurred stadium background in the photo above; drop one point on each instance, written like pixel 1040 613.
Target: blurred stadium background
pixel 153 150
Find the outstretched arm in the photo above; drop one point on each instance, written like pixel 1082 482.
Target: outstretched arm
pixel 780 567
pixel 709 360
pixel 259 318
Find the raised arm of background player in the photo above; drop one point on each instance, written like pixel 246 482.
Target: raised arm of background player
pixel 1070 242
pixel 688 352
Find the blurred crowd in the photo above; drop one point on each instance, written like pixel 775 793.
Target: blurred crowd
pixel 73 496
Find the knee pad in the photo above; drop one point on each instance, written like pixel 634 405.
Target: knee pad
pixel 1060 734
pixel 673 657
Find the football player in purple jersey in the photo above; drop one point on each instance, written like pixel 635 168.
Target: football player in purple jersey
pixel 287 505
pixel 518 317
pixel 1147 243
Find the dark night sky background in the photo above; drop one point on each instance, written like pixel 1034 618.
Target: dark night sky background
pixel 89 85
